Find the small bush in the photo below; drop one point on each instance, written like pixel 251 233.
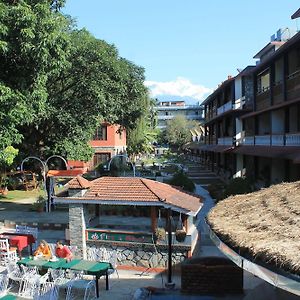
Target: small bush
pixel 237 186
pixel 182 180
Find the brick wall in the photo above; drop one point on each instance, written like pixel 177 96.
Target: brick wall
pixel 211 276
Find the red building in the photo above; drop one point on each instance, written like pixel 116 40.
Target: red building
pixel 109 140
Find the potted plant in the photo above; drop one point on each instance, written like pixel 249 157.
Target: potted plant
pixel 39 204
pixel 180 235
pixel 3 185
pixel 160 234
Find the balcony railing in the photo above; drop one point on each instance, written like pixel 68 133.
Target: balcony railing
pixel 238 104
pixel 263 99
pixel 225 141
pixel 287 139
pixel 293 85
pixel 292 139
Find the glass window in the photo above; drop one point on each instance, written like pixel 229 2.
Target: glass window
pixel 101 133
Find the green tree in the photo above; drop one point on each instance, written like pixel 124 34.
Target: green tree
pixel 141 137
pixel 177 132
pixel 59 83
pixel 33 45
pixel 95 85
pixel 182 180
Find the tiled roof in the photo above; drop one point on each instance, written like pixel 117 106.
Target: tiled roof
pixel 135 189
pixel 79 183
pixel 65 173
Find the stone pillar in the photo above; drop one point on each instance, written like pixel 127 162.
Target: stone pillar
pixel 78 218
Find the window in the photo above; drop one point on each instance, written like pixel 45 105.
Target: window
pixel 100 158
pixel 101 133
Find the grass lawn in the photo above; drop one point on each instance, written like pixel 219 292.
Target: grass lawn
pixel 18 194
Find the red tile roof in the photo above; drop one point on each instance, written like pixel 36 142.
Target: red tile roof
pixel 135 189
pixel 79 183
pixel 65 173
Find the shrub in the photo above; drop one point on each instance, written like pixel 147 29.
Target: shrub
pixel 237 186
pixel 182 180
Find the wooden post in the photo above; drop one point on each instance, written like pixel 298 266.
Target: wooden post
pixel 153 218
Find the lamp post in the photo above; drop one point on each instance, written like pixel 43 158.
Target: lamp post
pixel 121 155
pixel 169 284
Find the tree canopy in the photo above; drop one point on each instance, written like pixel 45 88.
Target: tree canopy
pixel 177 132
pixel 57 82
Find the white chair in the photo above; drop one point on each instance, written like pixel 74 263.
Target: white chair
pixel 3 285
pixel 21 228
pixel 75 286
pixel 56 273
pixel 34 231
pixel 47 291
pixel 30 286
pixel 7 253
pixel 14 274
pixel 29 270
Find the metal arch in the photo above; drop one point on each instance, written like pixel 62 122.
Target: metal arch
pixel 33 157
pixel 121 155
pixel 62 158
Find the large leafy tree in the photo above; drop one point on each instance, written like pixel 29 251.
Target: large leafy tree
pixel 96 84
pixel 177 132
pixel 59 82
pixel 33 45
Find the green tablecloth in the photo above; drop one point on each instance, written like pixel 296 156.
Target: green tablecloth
pixel 90 267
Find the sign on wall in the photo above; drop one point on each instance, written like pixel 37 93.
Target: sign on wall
pixel 132 237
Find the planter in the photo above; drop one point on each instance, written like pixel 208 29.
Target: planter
pixel 3 191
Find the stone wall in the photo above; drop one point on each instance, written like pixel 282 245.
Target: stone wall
pixel 211 275
pixel 78 217
pixel 143 255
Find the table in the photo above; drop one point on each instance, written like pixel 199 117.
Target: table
pixel 19 240
pixel 94 268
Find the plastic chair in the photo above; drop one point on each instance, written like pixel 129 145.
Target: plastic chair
pixel 47 291
pixel 7 253
pixel 75 286
pixel 3 285
pixel 30 286
pixel 14 274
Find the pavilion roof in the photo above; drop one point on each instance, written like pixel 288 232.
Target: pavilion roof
pixel 136 191
pixel 79 183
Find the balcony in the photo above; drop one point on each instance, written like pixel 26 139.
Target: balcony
pixel 238 104
pixel 288 139
pixel 278 96
pixel 292 139
pixel 225 141
pixel 293 85
pixel 263 99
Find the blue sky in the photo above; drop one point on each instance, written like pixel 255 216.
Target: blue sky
pixel 186 47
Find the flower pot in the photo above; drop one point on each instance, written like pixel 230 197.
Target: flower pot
pixel 180 235
pixel 3 191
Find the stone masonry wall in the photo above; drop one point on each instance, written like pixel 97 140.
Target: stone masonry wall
pixel 78 216
pixel 142 255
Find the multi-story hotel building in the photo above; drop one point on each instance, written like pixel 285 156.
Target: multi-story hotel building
pixel 167 110
pixel 252 121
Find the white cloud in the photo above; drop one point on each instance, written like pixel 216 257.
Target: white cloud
pixel 180 87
